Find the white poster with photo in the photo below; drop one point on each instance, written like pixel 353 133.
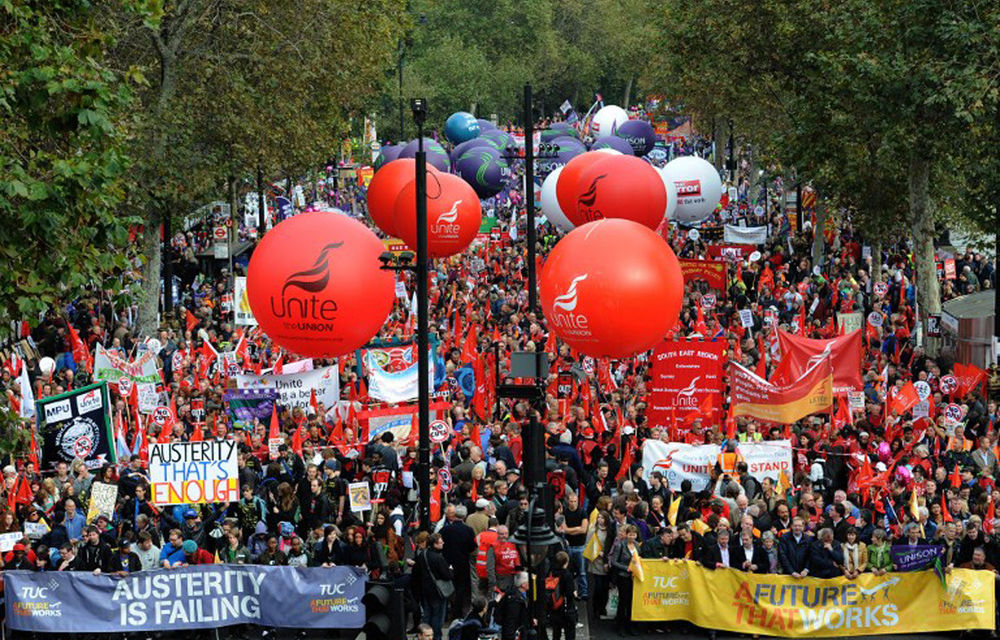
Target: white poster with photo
pixel 148 398
pixel 745 235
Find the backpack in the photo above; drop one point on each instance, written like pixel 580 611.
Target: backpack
pixel 554 597
pixel 456 630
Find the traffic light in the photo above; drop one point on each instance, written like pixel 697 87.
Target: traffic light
pixel 384 615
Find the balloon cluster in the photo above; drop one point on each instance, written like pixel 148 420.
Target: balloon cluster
pixel 454 212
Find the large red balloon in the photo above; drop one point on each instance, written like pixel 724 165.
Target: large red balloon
pixel 619 186
pixel 566 191
pixel 315 286
pixel 384 188
pixel 611 288
pixel 453 215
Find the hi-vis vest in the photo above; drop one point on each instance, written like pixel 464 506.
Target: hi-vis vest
pixel 485 540
pixel 727 462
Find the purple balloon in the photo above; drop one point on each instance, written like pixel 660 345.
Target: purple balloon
pixel 387 154
pixel 437 157
pixel 569 148
pixel 613 142
pixel 484 169
pixel 639 134
pixel 485 125
pixel 499 139
pixel 459 149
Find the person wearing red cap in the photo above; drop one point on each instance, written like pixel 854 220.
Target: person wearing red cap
pixel 19 560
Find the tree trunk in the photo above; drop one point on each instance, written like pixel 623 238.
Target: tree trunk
pixel 922 233
pixel 720 143
pixel 628 93
pixel 819 240
pixel 152 246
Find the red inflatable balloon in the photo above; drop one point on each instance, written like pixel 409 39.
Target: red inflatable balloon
pixel 611 288
pixel 566 191
pixel 315 286
pixel 619 187
pixel 384 188
pixel 453 215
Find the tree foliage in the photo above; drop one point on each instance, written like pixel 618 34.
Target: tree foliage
pixel 62 166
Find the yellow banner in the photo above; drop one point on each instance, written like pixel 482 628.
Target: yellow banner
pixel 776 605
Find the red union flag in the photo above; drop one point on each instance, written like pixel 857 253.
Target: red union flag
pixel 685 373
pixel 755 397
pixel 798 354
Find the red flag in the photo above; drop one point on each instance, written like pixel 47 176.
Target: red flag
pixel 761 359
pixel 196 434
pixel 81 355
pixel 956 478
pixel 905 398
pixel 20 493
pixel 312 401
pixel 479 400
pixel 842 417
pixel 297 441
pixel 947 514
pixel 279 363
pixel 730 423
pixel 337 432
pixel 626 463
pixel 699 324
pixel 33 452
pixel 192 320
pixel 469 350
pixel 991 515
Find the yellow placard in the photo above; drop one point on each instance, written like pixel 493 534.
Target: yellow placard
pixel 777 605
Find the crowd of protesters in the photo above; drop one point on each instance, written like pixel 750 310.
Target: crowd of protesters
pixel 850 496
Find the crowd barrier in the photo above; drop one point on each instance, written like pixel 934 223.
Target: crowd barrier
pixel 777 605
pixel 197 597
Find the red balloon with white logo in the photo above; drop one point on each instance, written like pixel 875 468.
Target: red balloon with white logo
pixel 453 215
pixel 619 186
pixel 566 192
pixel 611 288
pixel 315 286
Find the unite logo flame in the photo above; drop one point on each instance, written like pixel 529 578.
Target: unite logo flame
pixel 690 389
pixel 568 300
pixel 315 278
pixel 588 197
pixel 451 215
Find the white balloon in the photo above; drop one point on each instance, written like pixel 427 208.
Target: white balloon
pixel 607 120
pixel 46 365
pixel 609 150
pixel 550 203
pixel 671 190
pixel 698 187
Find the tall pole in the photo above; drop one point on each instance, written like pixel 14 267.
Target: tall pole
pixel 996 259
pixel 798 205
pixel 423 378
pixel 529 195
pixel 402 124
pixel 730 165
pixel 168 267
pixel 261 211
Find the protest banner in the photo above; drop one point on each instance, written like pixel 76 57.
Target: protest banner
pixel 678 461
pixel 755 397
pixel 685 374
pixel 111 366
pixel 850 322
pixel 35 530
pixel 147 397
pixel 196 597
pixel 778 605
pixel 916 557
pixel 798 354
pixel 745 235
pixel 730 252
pixel 298 366
pixel 243 314
pixel 294 389
pixel 77 424
pixel 359 495
pixel 711 271
pixel 400 421
pixel 746 318
pixel 246 405
pixel 193 472
pixel 8 540
pixel 392 373
pixel 103 497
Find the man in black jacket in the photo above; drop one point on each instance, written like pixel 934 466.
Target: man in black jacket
pixel 512 610
pixel 430 566
pixel 459 547
pixel 94 555
pixel 794 549
pixel 722 554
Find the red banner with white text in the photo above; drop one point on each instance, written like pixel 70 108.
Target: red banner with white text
pixel 686 380
pixel 711 271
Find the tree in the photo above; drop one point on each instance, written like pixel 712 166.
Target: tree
pixel 62 165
